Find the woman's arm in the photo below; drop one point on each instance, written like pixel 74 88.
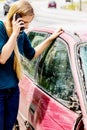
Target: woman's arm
pixel 8 49
pixel 9 46
pixel 41 47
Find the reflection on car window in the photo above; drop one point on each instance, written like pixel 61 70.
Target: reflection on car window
pixel 36 38
pixel 30 66
pixel 54 74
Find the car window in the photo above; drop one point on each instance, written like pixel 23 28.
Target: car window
pixel 36 38
pixel 83 60
pixel 82 64
pixel 54 73
pixel 30 67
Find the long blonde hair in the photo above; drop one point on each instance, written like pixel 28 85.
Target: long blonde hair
pixel 24 8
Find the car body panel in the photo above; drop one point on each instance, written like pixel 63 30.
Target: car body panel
pixel 48 114
pixel 52 4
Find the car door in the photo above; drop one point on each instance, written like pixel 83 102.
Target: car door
pixel 48 98
pixel 30 69
pixel 55 78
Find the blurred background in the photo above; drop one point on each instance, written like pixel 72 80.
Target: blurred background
pixel 53 13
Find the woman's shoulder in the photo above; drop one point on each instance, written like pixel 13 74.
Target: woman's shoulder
pixel 1 23
pixel 2 27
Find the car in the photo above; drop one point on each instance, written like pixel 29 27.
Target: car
pixel 53 91
pixel 52 4
pixel 7 5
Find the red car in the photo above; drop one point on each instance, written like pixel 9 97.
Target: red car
pixel 53 92
pixel 52 4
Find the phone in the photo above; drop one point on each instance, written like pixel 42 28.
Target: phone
pixel 16 17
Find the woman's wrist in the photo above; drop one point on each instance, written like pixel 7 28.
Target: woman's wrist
pixel 50 39
pixel 15 35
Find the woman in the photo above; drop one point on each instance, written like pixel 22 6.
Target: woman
pixel 13 41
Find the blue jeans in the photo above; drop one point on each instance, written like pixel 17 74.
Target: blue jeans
pixel 9 103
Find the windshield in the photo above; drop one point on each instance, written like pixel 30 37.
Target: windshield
pixel 82 60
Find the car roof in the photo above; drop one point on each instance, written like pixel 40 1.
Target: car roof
pixel 79 29
pixel 66 33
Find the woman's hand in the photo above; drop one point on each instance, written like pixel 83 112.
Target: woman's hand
pixel 41 47
pixel 56 34
pixel 17 24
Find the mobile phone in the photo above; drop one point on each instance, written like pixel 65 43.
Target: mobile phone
pixel 16 17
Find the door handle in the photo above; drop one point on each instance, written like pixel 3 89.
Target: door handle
pixel 32 108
